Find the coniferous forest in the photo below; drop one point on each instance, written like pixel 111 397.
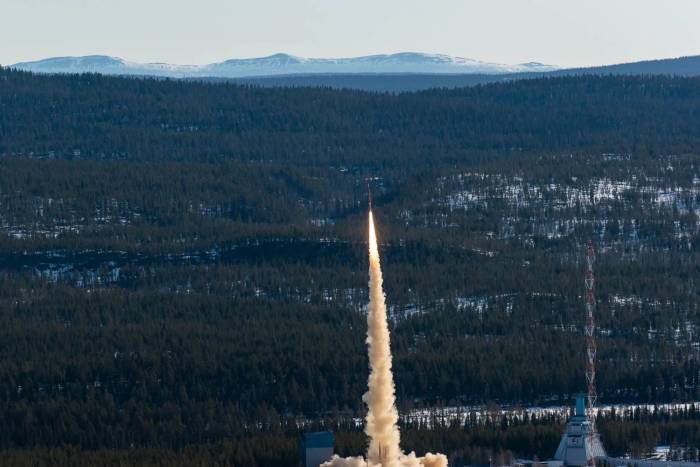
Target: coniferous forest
pixel 183 272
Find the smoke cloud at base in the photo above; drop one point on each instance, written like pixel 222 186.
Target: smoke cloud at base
pixel 345 462
pixel 410 460
pixel 382 417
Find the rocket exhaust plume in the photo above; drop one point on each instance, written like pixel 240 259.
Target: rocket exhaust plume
pixel 382 417
pixel 380 399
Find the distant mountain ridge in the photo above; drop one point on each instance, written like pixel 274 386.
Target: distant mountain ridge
pixel 282 64
pixel 401 72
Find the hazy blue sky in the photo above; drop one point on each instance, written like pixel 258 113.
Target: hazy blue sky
pixel 560 32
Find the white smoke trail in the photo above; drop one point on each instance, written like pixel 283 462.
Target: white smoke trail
pixel 381 427
pixel 382 414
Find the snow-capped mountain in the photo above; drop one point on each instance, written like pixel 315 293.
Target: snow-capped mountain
pixel 105 65
pixel 281 64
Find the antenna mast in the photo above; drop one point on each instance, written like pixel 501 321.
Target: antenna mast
pixel 590 331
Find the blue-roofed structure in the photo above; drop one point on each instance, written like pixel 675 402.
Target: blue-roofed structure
pixel 316 448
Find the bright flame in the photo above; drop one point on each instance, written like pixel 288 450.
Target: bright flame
pixel 373 250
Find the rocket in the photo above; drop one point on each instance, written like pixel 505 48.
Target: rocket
pixel 369 196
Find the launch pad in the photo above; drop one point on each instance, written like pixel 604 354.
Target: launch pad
pixel 580 444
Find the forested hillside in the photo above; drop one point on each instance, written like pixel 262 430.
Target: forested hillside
pixel 96 117
pixel 184 264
